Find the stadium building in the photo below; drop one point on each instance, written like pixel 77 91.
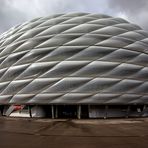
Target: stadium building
pixel 76 65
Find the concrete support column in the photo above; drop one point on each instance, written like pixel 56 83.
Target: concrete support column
pixel 56 111
pixel 128 111
pixel 30 113
pixel 79 112
pixel 52 111
pixel 144 109
pixel 106 110
pixel 88 111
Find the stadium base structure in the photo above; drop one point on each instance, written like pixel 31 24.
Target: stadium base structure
pixel 75 111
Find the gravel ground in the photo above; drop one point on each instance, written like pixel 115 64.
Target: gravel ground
pixel 47 133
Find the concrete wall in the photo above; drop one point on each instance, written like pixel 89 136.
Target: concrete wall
pixel 38 111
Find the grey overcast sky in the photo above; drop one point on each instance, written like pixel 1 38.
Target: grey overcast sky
pixel 14 12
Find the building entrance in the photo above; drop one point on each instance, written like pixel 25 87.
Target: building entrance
pixel 66 111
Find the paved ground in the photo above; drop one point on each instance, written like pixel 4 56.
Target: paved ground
pixel 47 133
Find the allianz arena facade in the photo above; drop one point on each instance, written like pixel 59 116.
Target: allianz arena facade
pixel 76 65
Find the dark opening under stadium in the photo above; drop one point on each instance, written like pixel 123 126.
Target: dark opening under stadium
pixel 74 65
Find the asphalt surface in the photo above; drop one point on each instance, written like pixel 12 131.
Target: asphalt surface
pixel 47 133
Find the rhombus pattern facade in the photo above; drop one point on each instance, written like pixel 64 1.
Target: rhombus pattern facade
pixel 76 58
